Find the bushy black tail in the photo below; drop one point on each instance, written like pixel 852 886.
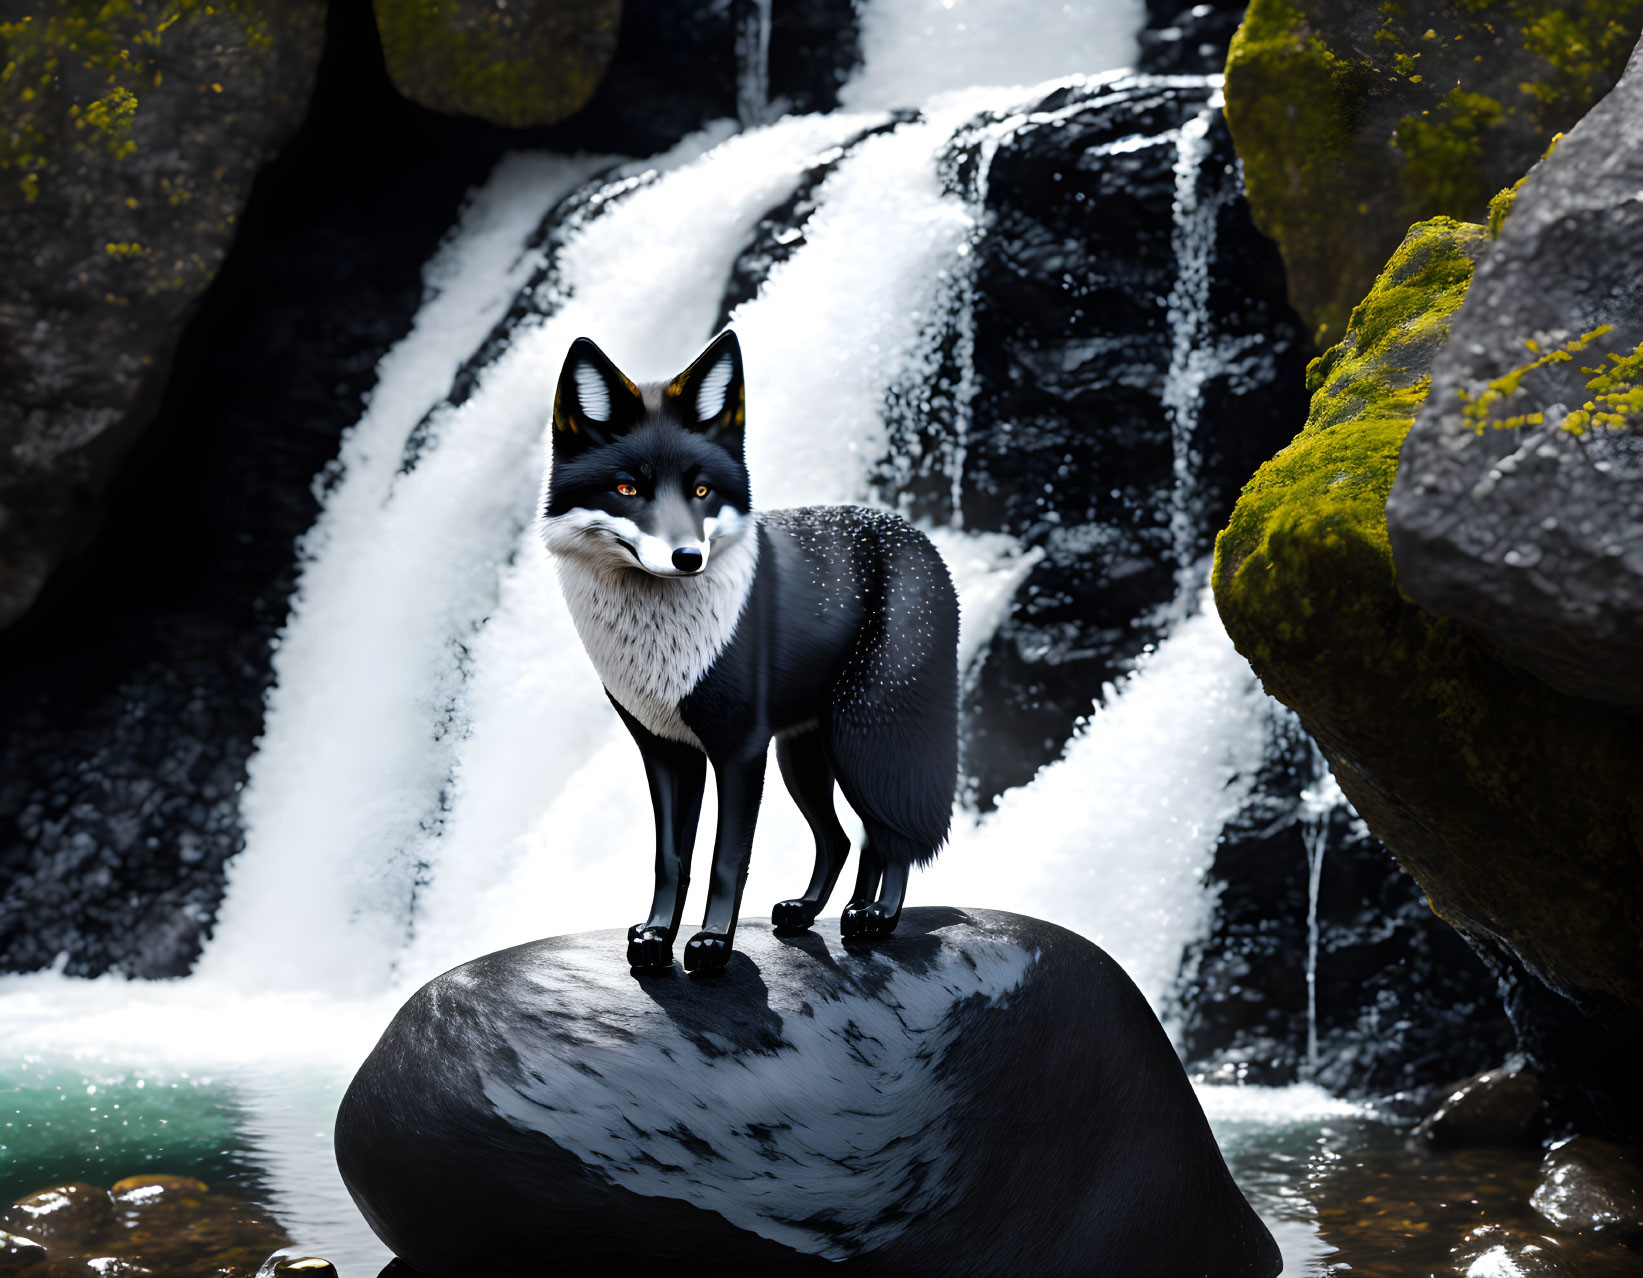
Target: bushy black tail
pixel 892 736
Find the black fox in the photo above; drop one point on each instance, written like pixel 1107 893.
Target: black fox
pixel 831 629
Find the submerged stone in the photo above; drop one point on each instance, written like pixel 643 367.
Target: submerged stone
pixel 1592 1184
pixel 138 1192
pixel 1496 1107
pixel 18 1253
pixel 980 1093
pixel 69 1216
pixel 150 1224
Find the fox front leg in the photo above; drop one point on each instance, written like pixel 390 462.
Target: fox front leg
pixel 677 774
pixel 740 785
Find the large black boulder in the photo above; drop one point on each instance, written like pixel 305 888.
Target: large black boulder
pixel 980 1094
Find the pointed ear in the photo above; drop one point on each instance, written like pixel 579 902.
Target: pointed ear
pixel 709 395
pixel 595 401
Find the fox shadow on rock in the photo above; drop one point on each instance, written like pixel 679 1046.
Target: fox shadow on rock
pixel 980 1093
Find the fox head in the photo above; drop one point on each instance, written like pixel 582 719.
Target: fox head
pixel 648 477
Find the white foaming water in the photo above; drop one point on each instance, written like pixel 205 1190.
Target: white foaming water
pixel 916 49
pixel 1113 840
pixel 440 773
pixel 1192 360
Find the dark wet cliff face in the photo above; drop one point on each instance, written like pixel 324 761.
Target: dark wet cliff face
pixel 131 695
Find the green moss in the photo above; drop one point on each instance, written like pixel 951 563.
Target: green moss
pixel 1353 123
pixel 1443 150
pixel 1288 151
pixel 1329 486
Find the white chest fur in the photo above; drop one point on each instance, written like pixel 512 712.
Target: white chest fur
pixel 653 638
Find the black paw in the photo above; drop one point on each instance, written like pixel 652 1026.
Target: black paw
pixel 649 947
pixel 866 919
pixel 792 916
pixel 707 952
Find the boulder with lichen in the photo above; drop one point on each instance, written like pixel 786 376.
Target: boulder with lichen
pixel 133 135
pixel 1515 807
pixel 1518 508
pixel 520 64
pixel 1354 120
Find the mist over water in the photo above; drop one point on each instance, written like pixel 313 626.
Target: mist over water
pixel 440 773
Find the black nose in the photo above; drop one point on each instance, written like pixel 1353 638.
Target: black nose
pixel 687 559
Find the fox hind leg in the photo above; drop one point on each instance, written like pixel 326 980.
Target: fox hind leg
pixel 809 778
pixel 881 888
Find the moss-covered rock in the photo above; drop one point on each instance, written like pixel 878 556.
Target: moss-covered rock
pixel 1516 808
pixel 133 132
pixel 1518 509
pixel 525 63
pixel 1354 120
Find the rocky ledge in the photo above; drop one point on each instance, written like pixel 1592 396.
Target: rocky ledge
pixel 979 1094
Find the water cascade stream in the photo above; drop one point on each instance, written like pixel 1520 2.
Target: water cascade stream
pixel 752 62
pixel 1318 803
pixel 440 773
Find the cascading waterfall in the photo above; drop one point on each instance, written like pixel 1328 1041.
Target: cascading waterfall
pixel 487 791
pixel 440 773
pixel 1191 360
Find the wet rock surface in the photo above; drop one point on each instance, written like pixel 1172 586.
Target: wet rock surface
pixel 1187 39
pixel 979 1093
pixel 132 140
pixel 18 1254
pixel 1403 1004
pixel 1593 1184
pixel 1101 445
pixel 75 1212
pixel 1496 1107
pixel 1518 507
pixel 533 62
pixel 165 1226
pixel 130 697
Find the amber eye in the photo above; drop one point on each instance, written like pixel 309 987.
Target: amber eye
pixel 701 490
pixel 627 490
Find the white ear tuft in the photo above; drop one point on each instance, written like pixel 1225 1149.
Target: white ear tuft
pixel 592 392
pixel 710 395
